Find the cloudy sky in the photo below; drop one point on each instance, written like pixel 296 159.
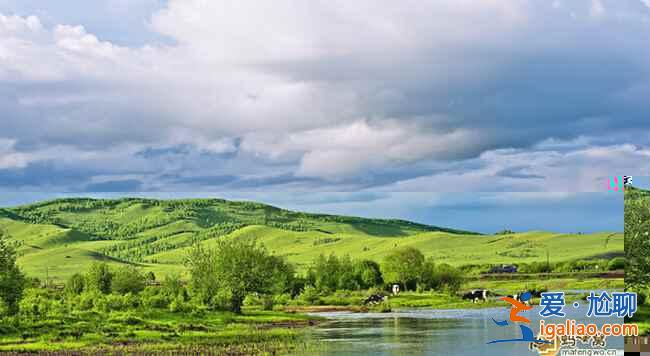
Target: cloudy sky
pixel 322 96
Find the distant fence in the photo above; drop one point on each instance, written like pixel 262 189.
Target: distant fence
pixel 61 286
pixel 506 276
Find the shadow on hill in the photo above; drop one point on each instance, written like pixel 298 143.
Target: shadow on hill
pixel 100 257
pixel 607 255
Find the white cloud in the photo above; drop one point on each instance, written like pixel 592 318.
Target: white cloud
pixel 344 151
pixel 332 90
pixel 583 169
pixel 10 158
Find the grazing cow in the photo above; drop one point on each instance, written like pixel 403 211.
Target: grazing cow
pixel 476 295
pixel 517 297
pixel 374 299
pixel 395 289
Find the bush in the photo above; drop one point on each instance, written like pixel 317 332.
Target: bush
pixel 641 297
pixel 267 302
pixel 99 278
pixel 35 303
pixel 173 287
pixel 128 279
pixel 116 302
pixel 75 284
pixel 616 263
pixel 309 296
pixel 446 277
pixel 282 299
pixel 12 280
pixel 155 301
pixel 87 300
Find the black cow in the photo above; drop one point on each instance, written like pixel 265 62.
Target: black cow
pixel 476 295
pixel 374 299
pixel 517 297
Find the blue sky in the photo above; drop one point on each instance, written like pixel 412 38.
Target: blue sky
pixel 336 96
pixel 482 212
pixel 641 182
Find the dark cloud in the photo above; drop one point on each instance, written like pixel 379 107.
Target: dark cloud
pixel 518 172
pixel 127 185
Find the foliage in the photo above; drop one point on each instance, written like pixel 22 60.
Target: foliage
pixel 616 263
pixel 236 267
pixel 99 278
pixel 128 279
pixel 75 284
pixel 637 238
pixel 12 280
pixel 446 277
pixel 404 265
pixel 310 296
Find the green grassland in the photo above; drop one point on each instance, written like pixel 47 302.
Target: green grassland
pixel 61 237
pixel 148 331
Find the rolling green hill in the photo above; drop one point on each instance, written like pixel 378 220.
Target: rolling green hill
pixel 60 237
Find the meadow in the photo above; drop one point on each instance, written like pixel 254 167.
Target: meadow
pixel 62 236
pixel 141 275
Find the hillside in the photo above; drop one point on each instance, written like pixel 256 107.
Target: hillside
pixel 62 236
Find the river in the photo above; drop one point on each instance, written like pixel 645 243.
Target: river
pixel 436 332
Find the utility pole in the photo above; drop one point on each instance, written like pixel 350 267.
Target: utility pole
pixel 548 265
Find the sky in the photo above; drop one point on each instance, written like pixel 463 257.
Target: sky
pixel 322 96
pixel 641 182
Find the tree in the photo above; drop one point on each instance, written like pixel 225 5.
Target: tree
pixel 75 284
pixel 637 238
pixel 369 273
pixel 447 277
pixel 99 278
pixel 150 276
pixel 12 280
pixel 236 268
pixel 128 279
pixel 403 265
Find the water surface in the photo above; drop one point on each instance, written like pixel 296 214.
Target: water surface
pixel 435 332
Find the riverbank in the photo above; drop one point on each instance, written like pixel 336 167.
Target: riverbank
pixel 352 301
pixel 106 328
pixel 253 332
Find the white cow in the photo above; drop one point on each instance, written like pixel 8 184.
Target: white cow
pixel 395 289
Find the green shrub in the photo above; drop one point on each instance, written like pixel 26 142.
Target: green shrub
pixel 128 279
pixel 115 302
pixel 87 300
pixel 75 284
pixel 267 302
pixel 616 263
pixel 155 301
pixel 383 307
pixel 100 304
pixel 178 305
pixel 310 296
pixel 99 278
pixel 12 280
pixel 35 303
pixel 172 286
pixel 641 297
pixel 282 299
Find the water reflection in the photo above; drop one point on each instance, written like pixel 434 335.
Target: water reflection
pixel 433 332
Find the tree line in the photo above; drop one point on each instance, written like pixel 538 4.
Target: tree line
pixel 222 277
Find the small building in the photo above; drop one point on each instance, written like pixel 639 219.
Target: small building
pixel 504 269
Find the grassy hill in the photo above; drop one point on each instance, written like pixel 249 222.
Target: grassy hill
pixel 63 236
